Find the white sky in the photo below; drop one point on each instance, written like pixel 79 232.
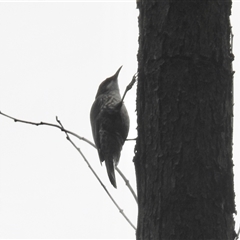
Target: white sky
pixel 53 56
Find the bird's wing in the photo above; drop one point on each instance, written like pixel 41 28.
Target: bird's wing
pixel 107 127
pixel 94 117
pixel 100 125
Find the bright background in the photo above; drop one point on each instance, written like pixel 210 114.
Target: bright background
pixel 53 56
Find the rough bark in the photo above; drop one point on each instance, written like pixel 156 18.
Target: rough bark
pixel 183 156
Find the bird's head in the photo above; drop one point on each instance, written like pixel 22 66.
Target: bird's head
pixel 110 84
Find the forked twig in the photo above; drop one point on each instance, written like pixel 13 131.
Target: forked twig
pixel 51 125
pixel 73 134
pixel 67 132
pixel 95 174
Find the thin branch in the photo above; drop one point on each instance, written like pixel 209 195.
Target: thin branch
pixel 127 183
pixel 73 134
pixel 51 125
pixel 95 174
pixel 129 86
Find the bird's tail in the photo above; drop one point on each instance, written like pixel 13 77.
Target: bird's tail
pixel 111 172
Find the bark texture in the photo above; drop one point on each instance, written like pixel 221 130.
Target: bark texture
pixel 183 156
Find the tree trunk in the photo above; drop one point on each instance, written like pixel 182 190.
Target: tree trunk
pixel 183 156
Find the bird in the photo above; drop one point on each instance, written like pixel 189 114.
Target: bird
pixel 110 124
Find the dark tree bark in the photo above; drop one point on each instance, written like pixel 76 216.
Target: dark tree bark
pixel 185 107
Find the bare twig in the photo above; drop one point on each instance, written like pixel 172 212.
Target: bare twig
pixel 127 183
pixel 49 124
pixel 95 174
pixel 129 86
pixel 73 134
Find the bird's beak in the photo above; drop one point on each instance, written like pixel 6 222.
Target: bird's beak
pixel 116 74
